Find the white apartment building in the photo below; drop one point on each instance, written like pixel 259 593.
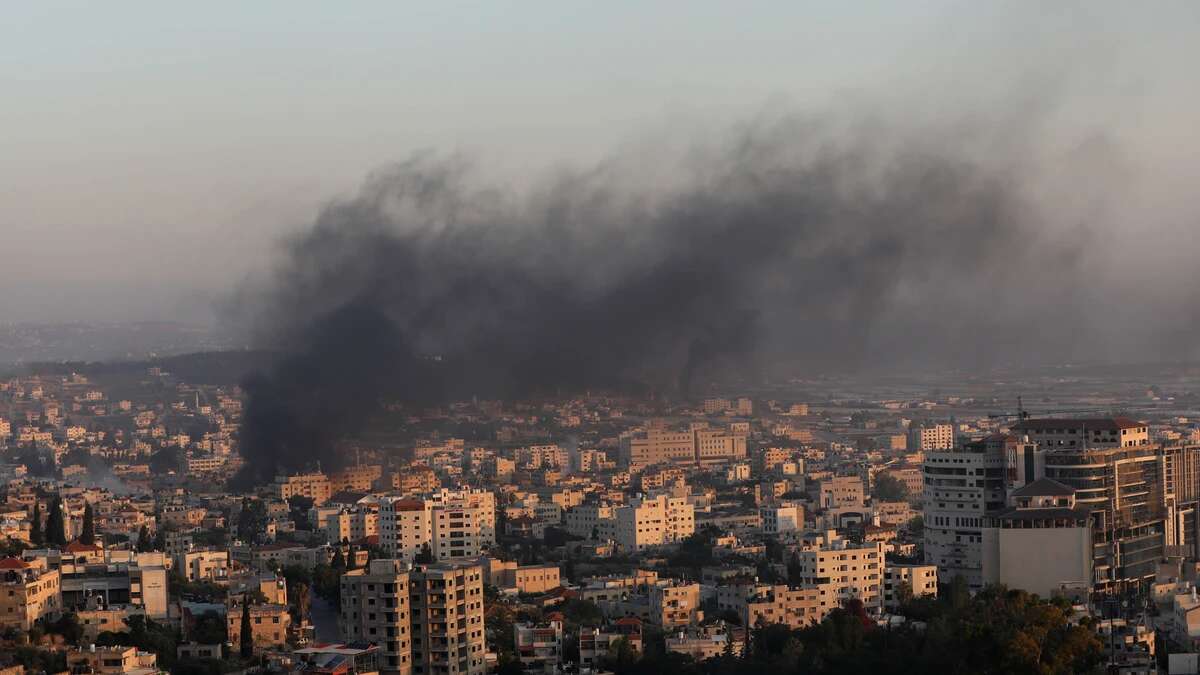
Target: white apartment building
pixel 781 518
pixel 653 521
pixel 853 571
pixel 961 486
pixel 588 519
pixel 451 523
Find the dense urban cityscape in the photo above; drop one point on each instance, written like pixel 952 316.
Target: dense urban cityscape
pixel 561 338
pixel 829 524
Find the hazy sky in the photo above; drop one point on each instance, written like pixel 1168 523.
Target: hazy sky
pixel 151 154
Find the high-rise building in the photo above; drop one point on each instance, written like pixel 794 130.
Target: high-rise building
pixel 1119 477
pixel 447 619
pixel 375 609
pixel 448 523
pixel 961 486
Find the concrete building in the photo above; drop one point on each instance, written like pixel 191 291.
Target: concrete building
pixel 961 486
pixel 314 486
pixel 117 660
pixel 639 449
pixel 653 521
pixel 931 437
pixel 852 571
pixel 675 604
pixel 268 625
pixel 841 491
pixel 447 619
pixel 590 521
pixel 539 646
pixel 28 592
pixel 908 579
pixel 204 565
pixel 427 620
pixel 1119 477
pixel 1042 542
pixel 765 604
pixel 110 577
pixel 375 609
pixel 780 518
pixel 451 524
pixel 595 642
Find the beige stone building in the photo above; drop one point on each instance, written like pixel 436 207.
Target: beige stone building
pixel 28 592
pixel 315 486
pixel 268 624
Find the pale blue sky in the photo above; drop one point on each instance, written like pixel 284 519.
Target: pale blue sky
pixel 151 153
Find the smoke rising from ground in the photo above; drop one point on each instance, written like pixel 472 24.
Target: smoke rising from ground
pixel 820 244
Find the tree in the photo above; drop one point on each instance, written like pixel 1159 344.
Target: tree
pixel 56 528
pixel 351 559
pixel 144 543
pixel 160 538
pixel 37 535
pixel 425 556
pixel 247 633
pixel 795 570
pixel 88 534
pixel 338 562
pixel 888 488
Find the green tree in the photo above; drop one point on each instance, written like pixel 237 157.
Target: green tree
pixel 144 542
pixel 37 535
pixel 88 533
pixel 338 562
pixel 247 633
pixel 56 529
pixel 888 488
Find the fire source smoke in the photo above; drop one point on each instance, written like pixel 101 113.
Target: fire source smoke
pixel 789 241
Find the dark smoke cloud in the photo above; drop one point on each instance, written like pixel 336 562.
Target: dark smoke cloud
pixel 820 245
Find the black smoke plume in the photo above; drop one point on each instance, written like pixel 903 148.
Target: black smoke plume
pixel 789 242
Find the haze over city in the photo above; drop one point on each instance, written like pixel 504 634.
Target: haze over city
pixel 560 339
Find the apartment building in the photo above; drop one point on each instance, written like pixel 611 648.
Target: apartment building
pixel 352 523
pixel 28 592
pixel 539 645
pixel 507 574
pixel 765 604
pixel 204 565
pixel 114 577
pixel 908 579
pixel 269 624
pixel 653 521
pixel 447 619
pixel 931 437
pixel 841 492
pixel 714 446
pixel 359 478
pixel 852 571
pixel 642 448
pixel 375 609
pixel 780 518
pixel 314 486
pixel 449 523
pixel 595 642
pixel 674 604
pixel 961 486
pixel 426 621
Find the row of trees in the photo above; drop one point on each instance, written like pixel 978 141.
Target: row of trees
pixel 997 631
pixel 53 530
